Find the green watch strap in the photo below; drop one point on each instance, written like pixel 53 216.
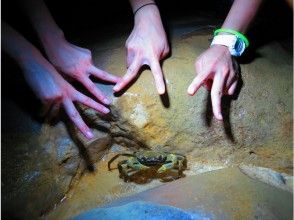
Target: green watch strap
pixel 231 31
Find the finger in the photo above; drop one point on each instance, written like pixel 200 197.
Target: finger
pixel 216 94
pixel 100 74
pixel 158 76
pixel 196 83
pixel 90 103
pixel 74 115
pixel 129 76
pixel 94 90
pixel 233 88
pixel 231 78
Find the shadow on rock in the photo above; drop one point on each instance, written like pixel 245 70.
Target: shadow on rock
pixel 146 176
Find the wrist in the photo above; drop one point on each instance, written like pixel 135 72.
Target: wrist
pixel 233 32
pixel 223 48
pixel 235 41
pixel 149 13
pixel 51 38
pixel 52 43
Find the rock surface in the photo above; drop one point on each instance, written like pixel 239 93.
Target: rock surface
pixel 222 194
pixel 104 187
pixel 40 163
pixel 140 210
pixel 257 127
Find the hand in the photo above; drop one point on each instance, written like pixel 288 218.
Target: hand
pixel 54 91
pixel 147 44
pixel 216 72
pixel 77 63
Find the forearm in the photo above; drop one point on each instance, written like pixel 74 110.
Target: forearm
pixel 146 15
pixel 15 45
pixel 42 21
pixel 241 14
pixel 35 68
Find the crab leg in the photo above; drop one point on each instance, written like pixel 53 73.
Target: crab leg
pixel 182 165
pixel 115 157
pixel 125 166
pixel 123 169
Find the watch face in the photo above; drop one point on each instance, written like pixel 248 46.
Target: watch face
pixel 239 46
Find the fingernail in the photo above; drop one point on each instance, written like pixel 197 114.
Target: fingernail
pixel 190 91
pixel 219 116
pixel 116 87
pixel 106 101
pixel 105 110
pixel 89 135
pixel 161 91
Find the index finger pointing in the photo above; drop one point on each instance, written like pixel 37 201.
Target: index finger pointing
pixel 129 76
pixel 216 94
pixel 158 76
pixel 196 83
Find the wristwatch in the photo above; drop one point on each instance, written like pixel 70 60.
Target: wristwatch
pixel 234 43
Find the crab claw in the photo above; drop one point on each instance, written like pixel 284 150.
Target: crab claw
pixel 162 169
pixel 171 161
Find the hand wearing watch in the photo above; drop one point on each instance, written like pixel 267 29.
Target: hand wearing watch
pixel 234 40
pixel 235 44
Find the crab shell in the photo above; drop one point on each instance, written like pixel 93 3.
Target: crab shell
pixel 150 158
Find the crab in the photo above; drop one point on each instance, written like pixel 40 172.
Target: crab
pixel 145 160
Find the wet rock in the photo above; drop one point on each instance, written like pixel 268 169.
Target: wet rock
pixel 221 194
pixel 38 167
pixel 41 163
pixel 141 210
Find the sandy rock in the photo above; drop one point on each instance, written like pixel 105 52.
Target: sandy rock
pixel 254 129
pixel 98 146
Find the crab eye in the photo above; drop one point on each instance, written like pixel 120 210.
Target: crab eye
pixel 159 157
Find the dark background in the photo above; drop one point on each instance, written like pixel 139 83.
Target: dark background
pixel 74 17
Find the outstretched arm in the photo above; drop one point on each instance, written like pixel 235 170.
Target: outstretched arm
pixel 147 44
pixel 214 67
pixel 67 58
pixel 241 14
pixel 45 81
